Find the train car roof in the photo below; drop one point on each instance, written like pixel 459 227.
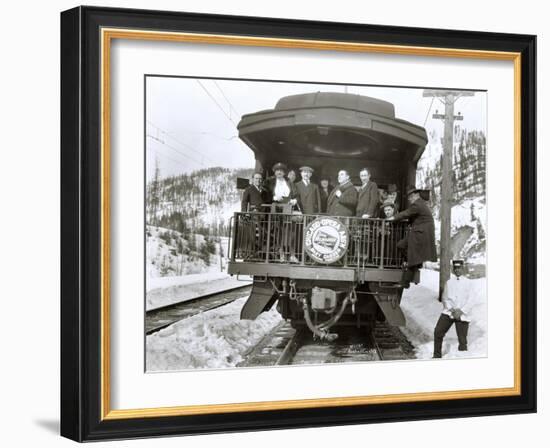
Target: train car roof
pixel 332 124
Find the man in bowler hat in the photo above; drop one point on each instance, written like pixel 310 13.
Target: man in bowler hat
pixel 419 244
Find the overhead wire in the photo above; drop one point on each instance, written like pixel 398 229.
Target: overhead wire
pixel 231 107
pixel 174 149
pixel 216 102
pixel 185 145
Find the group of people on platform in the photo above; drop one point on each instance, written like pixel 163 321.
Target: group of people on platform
pixel 348 201
pixel 310 198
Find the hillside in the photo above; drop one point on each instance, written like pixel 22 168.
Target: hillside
pixel 200 202
pixel 469 187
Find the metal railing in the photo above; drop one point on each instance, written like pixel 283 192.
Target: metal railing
pixel 278 238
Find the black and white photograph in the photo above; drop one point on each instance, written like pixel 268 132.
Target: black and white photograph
pixel 292 223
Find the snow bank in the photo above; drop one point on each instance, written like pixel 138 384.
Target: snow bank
pixel 422 310
pixel 162 291
pixel 211 340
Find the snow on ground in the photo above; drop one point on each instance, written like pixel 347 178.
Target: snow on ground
pixel 422 310
pixel 212 340
pixel 162 291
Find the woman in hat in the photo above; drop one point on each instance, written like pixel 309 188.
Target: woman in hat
pixel 283 196
pixel 282 190
pixel 419 244
pixel 324 191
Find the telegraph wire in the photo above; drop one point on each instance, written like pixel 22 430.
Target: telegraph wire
pixel 174 149
pixel 216 102
pixel 429 110
pixel 226 99
pixel 171 159
pixel 185 145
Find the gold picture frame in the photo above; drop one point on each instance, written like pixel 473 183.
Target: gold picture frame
pixel 97 420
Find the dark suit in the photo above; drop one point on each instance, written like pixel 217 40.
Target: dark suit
pixel 345 204
pixel 309 198
pixel 420 241
pixel 253 198
pixel 324 197
pixel 368 200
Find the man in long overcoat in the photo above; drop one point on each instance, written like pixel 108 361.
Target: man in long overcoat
pixel 343 199
pixel 419 243
pixel 368 198
pixel 309 198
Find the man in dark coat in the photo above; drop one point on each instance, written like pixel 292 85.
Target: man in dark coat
pixel 254 195
pixel 309 198
pixel 343 199
pixel 419 243
pixel 324 191
pixel 368 199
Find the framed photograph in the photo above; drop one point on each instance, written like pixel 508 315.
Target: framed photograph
pixel 274 224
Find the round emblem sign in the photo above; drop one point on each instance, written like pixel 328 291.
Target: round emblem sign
pixel 326 240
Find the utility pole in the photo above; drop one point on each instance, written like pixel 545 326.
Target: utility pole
pixel 448 98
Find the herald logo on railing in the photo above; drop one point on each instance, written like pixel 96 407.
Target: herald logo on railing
pixel 326 240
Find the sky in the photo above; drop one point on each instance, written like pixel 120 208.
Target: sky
pixel 191 123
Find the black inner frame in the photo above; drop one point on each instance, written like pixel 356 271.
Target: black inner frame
pixel 81 221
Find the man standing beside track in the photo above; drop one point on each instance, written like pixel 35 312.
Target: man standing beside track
pixel 456 310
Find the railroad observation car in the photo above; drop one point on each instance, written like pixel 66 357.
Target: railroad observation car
pixel 345 270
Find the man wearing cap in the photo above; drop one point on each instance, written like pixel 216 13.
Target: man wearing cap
pixel 308 195
pixel 343 199
pixel 387 210
pixel 367 200
pixel 419 244
pixel 457 306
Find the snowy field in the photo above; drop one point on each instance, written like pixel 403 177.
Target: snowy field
pixel 211 340
pixel 162 291
pixel 422 310
pixel 219 339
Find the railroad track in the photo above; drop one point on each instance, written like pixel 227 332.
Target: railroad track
pixel 287 346
pixel 160 318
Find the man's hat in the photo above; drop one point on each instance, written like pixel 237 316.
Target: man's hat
pixel 279 166
pixel 392 188
pixel 458 263
pixel 306 168
pixel 412 189
pixel 388 204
